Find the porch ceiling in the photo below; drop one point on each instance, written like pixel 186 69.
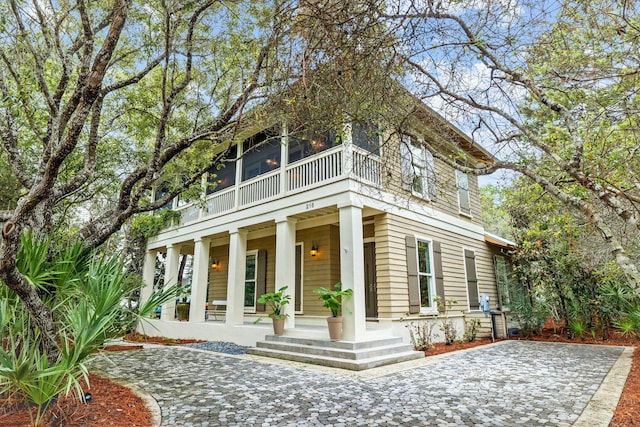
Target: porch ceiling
pixel 316 213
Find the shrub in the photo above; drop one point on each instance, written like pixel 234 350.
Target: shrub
pixel 85 292
pixel 421 334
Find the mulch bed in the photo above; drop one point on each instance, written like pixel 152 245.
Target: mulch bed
pixel 137 337
pixel 115 405
pixel 111 405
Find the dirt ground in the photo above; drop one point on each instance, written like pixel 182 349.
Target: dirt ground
pixel 115 405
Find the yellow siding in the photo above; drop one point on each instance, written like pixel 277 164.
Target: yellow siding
pixel 318 271
pixel 393 297
pixel 447 198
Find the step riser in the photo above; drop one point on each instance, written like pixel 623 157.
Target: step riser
pixel 331 352
pixel 345 345
pixel 343 364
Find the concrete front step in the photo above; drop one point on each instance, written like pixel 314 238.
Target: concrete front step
pixel 339 354
pixel 347 345
pixel 334 362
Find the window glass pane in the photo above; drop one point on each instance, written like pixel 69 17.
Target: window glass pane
pixel 161 191
pixel 425 291
pixel 463 192
pixel 423 257
pixel 250 271
pixel 366 135
pixel 225 176
pixel 261 154
pixel 502 277
pixel 418 184
pixel 249 294
pixel 306 143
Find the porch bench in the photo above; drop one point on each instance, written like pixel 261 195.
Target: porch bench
pixel 217 307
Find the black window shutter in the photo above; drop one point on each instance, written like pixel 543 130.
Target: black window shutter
pixel 412 272
pixel 472 280
pixel 437 270
pixel 261 278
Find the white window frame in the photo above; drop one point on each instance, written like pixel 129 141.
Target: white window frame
pixel 249 309
pixel 433 307
pixel 462 185
pixel 417 163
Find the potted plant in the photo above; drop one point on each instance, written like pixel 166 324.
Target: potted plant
pixel 183 306
pixel 276 301
pixel 332 299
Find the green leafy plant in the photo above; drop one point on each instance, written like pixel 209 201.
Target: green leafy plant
pixel 471 329
pixel 421 334
pixel 332 298
pixel 447 326
pixel 146 225
pixel 85 292
pixel 578 328
pixel 276 301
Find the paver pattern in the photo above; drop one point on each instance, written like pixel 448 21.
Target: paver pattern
pixel 515 383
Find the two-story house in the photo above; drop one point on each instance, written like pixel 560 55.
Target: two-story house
pixel 366 206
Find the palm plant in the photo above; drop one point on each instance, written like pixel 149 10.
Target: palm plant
pixel 85 292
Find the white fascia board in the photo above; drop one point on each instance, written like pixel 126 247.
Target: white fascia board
pixel 318 198
pixel 338 193
pixel 403 207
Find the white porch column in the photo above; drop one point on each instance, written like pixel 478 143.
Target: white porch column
pixel 148 275
pixel 285 264
pixel 352 271
pixel 200 280
pixel 235 281
pixel 170 278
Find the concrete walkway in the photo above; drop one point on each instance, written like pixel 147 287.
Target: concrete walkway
pixel 506 384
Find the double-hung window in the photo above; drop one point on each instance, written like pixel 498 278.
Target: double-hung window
pixel 250 279
pixel 425 275
pixel 418 170
pixel 462 182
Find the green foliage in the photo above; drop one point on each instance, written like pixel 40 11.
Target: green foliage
pixel 421 334
pixel 578 328
pixel 276 301
pixel 149 224
pixel 332 298
pixel 85 292
pixel 447 326
pixel 471 329
pixel 528 316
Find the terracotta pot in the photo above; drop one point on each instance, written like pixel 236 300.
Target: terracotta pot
pixel 278 326
pixel 335 328
pixel 183 310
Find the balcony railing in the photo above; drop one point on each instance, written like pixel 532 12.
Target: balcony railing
pixel 314 171
pixel 260 188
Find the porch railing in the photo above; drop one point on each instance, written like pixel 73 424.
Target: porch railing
pixel 313 171
pixel 218 203
pixel 367 166
pixel 260 188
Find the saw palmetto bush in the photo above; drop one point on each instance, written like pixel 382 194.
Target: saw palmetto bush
pixel 85 292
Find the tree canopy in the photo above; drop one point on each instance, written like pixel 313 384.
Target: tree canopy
pixel 550 87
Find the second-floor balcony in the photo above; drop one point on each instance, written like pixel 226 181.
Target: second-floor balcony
pixel 343 161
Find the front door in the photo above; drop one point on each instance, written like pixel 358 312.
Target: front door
pixel 370 282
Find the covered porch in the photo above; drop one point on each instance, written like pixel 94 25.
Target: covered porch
pixel 233 267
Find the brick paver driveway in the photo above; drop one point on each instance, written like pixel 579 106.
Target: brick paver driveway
pixel 513 383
